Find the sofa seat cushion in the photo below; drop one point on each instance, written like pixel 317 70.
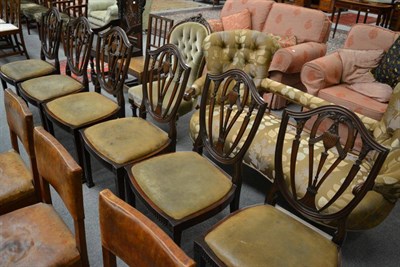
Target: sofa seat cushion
pixel 51 86
pixel 99 14
pixel 342 95
pixel 22 70
pixel 126 139
pixel 136 94
pixel 15 178
pixel 82 108
pixel 263 234
pixel 177 191
pixel 41 236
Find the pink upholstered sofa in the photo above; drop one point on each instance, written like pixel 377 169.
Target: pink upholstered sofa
pixel 310 28
pixel 323 77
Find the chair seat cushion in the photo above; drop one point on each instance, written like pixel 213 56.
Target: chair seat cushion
pixel 181 183
pixel 5 27
pixel 82 108
pixel 126 139
pixel 51 86
pixel 30 12
pixel 136 66
pixel 263 235
pixel 15 177
pixel 357 102
pixel 36 236
pixel 64 17
pixel 99 14
pixel 136 94
pixel 23 70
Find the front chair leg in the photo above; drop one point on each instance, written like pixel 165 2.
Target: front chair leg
pixel 130 196
pixel 120 183
pixel 87 168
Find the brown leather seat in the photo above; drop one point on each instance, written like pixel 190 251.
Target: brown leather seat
pixel 128 234
pixel 36 235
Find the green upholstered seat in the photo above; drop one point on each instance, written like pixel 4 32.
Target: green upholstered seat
pixel 82 108
pixel 31 11
pixel 27 69
pixel 196 185
pixel 125 139
pixel 136 94
pixel 64 17
pixel 15 178
pixel 40 235
pixel 51 86
pixel 265 236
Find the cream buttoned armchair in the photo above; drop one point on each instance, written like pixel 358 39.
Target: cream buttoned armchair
pixel 101 12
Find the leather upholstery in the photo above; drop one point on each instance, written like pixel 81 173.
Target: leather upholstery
pixel 51 86
pixel 166 187
pixel 113 139
pixel 36 236
pixel 15 178
pixel 82 108
pixel 134 238
pixel 263 235
pixel 23 70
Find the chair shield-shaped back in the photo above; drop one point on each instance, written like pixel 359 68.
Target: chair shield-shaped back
pixel 229 119
pixel 50 36
pixel 113 54
pixel 165 79
pixel 308 164
pixel 78 45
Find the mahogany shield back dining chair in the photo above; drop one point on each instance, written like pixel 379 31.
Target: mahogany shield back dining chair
pixel 22 70
pixel 77 111
pixel 78 44
pixel 20 185
pixel 117 143
pixel 306 163
pixel 11 28
pixel 184 188
pixel 128 234
pixel 36 235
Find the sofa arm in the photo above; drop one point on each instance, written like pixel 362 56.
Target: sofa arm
pixel 291 59
pixel 99 5
pixel 112 11
pixel 322 72
pixel 216 25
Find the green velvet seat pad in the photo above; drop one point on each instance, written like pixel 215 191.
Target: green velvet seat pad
pixel 82 108
pixel 31 11
pixel 51 86
pixel 126 139
pixel 181 183
pixel 41 236
pixel 136 94
pixel 15 177
pixel 27 69
pixel 265 236
pixel 64 17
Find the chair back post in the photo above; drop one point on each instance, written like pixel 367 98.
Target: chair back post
pixel 65 177
pixel 164 83
pixel 20 123
pixel 230 107
pixel 113 55
pixel 157 31
pixel 326 152
pixel 50 36
pixel 78 46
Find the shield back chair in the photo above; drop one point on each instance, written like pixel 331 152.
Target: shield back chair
pixel 184 188
pixel 78 44
pixel 20 185
pixel 188 35
pixel 128 234
pixel 306 163
pixel 157 33
pixel 117 143
pixel 12 28
pixel 77 111
pixel 19 71
pixel 39 232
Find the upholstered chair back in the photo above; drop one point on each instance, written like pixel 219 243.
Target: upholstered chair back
pixel 248 50
pixel 367 37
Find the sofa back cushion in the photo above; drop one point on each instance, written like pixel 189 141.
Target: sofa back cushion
pixel 259 10
pixel 368 37
pixel 304 23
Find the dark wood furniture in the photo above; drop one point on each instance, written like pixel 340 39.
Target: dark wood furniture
pixel 382 10
pixel 263 233
pixel 128 234
pixel 183 188
pixel 117 143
